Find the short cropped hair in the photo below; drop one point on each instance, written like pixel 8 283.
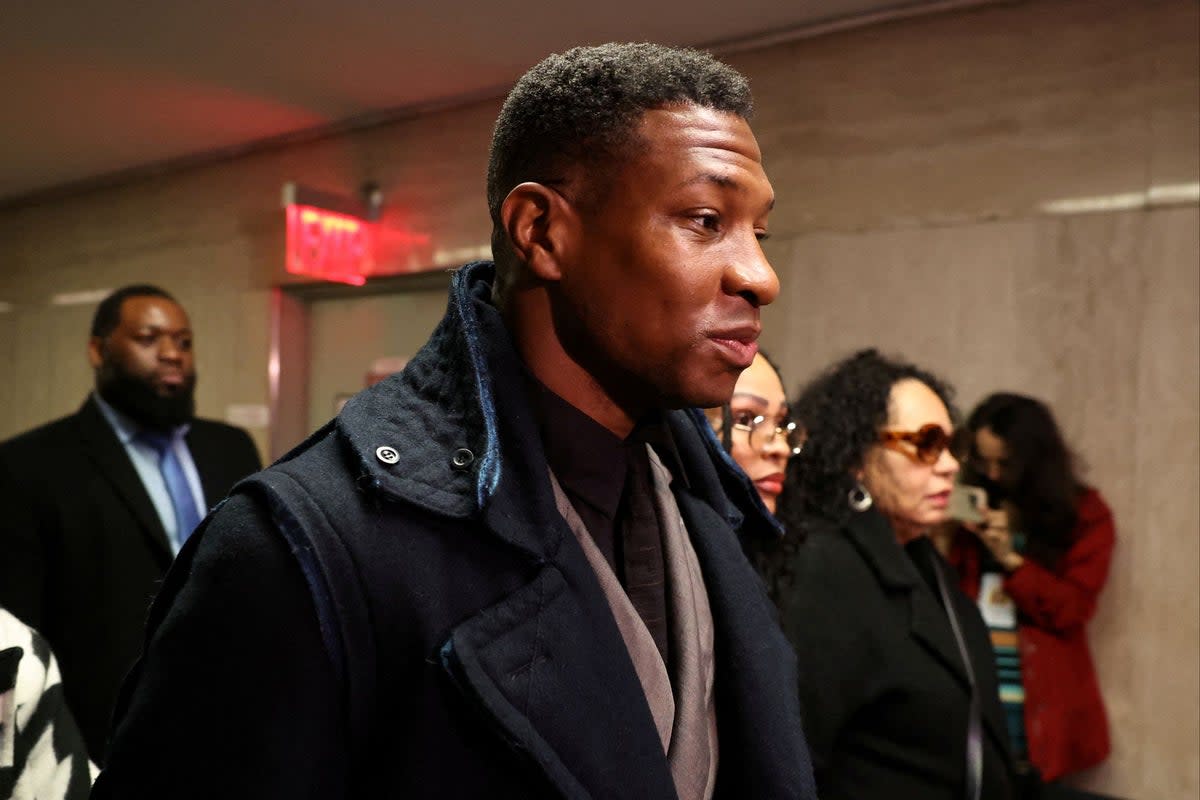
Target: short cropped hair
pixel 108 313
pixel 583 106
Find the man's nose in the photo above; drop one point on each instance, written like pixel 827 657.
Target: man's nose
pixel 751 276
pixel 169 349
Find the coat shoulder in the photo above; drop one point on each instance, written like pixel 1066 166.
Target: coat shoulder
pixel 63 431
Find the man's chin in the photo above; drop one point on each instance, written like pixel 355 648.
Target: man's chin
pixel 708 396
pixel 148 406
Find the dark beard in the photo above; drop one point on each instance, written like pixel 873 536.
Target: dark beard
pixel 137 400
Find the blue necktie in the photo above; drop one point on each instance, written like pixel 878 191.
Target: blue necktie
pixel 187 516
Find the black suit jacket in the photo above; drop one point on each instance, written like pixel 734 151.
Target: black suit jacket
pixel 883 689
pixel 82 550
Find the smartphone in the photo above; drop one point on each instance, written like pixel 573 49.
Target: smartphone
pixel 967 503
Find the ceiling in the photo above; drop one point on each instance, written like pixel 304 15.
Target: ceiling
pixel 93 91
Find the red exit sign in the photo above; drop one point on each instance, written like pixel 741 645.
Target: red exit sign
pixel 327 245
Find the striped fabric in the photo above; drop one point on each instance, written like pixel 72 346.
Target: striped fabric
pixel 1012 691
pixel 41 752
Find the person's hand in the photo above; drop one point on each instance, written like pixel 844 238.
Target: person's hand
pixel 997 537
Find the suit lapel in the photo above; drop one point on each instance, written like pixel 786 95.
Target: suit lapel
pixel 213 482
pixel 106 452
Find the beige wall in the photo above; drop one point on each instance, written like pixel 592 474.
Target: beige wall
pixel 913 163
pixel 349 334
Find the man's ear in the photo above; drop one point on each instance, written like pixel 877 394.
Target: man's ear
pixel 95 351
pixel 538 221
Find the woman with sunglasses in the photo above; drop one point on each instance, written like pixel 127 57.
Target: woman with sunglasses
pixel 897 683
pixel 755 429
pixel 1037 565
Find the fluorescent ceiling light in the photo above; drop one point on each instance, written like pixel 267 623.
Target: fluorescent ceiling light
pixel 1157 196
pixel 85 297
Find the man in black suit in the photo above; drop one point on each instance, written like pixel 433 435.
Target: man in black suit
pixel 96 504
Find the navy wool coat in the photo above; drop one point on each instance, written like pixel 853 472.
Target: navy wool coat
pixel 456 642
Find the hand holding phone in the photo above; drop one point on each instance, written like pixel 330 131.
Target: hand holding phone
pixel 968 503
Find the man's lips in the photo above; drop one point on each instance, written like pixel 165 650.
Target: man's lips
pixel 741 342
pixel 171 378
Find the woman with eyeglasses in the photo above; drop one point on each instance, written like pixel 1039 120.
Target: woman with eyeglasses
pixel 1037 564
pixel 755 429
pixel 897 685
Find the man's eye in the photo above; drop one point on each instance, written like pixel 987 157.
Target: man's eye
pixel 709 222
pixel 762 236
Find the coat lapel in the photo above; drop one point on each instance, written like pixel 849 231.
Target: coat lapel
pixel 548 666
pixel 927 620
pixel 111 460
pixel 756 673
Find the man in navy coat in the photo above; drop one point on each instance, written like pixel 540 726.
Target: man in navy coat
pixel 514 568
pixel 88 526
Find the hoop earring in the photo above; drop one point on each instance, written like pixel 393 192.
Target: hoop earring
pixel 859 498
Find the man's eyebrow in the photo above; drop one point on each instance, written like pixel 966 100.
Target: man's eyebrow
pixel 723 181
pixel 153 328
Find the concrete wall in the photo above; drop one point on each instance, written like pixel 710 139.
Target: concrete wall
pixel 921 169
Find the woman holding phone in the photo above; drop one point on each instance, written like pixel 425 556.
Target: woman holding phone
pixel 1037 564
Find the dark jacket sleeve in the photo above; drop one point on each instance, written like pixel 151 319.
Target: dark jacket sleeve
pixel 23 544
pixel 831 648
pixel 235 695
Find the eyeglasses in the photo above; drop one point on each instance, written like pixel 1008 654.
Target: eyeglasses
pixel 762 433
pixel 930 441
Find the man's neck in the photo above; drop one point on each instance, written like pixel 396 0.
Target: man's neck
pixel 530 324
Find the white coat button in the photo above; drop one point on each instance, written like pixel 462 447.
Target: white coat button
pixel 387 455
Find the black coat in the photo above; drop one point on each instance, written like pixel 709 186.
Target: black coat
pixel 883 689
pixel 82 550
pixel 498 668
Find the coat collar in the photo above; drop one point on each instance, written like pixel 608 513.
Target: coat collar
pixel 454 433
pixel 872 536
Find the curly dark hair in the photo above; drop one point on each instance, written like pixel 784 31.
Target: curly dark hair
pixel 842 410
pixel 582 106
pixel 1040 477
pixel 108 313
